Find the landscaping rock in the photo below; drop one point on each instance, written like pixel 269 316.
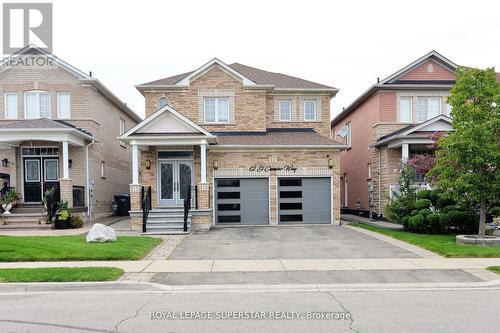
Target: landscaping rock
pixel 101 233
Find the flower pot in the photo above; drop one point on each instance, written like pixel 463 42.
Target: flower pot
pixel 62 224
pixel 7 208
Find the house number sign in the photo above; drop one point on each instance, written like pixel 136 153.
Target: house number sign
pixel 267 168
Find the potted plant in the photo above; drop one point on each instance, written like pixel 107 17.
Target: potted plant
pixel 63 216
pixel 9 200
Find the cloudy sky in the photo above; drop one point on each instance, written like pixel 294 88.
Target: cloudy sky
pixel 345 44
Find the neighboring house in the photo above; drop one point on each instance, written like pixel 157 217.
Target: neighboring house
pixel 392 121
pixel 252 146
pixel 59 127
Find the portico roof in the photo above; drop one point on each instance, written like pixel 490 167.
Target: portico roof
pixel 418 133
pixel 43 129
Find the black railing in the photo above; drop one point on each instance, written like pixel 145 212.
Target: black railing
pixel 51 200
pixel 145 205
pixel 187 207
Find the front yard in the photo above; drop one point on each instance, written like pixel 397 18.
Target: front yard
pixel 443 244
pixel 65 248
pixel 60 274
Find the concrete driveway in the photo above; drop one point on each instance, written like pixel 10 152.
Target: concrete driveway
pixel 285 242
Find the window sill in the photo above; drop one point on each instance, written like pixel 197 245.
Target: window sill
pixel 217 124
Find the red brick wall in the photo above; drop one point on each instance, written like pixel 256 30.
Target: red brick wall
pixel 421 72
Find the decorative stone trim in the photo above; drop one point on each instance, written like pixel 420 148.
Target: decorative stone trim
pixel 312 171
pixel 239 172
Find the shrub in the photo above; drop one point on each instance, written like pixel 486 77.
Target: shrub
pixel 422 203
pixel 443 202
pixel 433 221
pixel 434 196
pixel 425 212
pixel 448 209
pixel 414 212
pixel 424 194
pixel 444 221
pixel 416 223
pixel 405 222
pixel 495 211
pixel 76 222
pixel 396 210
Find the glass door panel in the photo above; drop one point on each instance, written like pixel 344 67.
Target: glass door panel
pixel 166 183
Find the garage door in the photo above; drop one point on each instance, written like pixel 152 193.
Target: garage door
pixel 242 201
pixel 304 200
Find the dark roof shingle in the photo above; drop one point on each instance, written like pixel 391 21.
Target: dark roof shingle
pixel 276 138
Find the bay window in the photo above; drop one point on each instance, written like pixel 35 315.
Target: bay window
pixel 36 104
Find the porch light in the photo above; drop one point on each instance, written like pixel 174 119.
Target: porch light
pixel 330 163
pixel 5 162
pixel 70 163
pixel 148 164
pixel 215 164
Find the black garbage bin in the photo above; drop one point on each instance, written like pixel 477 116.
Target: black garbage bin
pixel 123 202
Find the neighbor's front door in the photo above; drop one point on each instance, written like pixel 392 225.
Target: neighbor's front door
pixel 39 175
pixel 174 181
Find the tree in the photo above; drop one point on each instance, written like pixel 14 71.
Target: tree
pixel 468 159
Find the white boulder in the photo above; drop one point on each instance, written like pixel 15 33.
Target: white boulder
pixel 101 233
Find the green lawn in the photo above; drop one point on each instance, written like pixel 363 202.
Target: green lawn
pixel 58 248
pixel 60 274
pixel 494 269
pixel 441 244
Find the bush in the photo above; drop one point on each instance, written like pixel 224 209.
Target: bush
pixel 444 221
pixel 433 221
pixel 76 222
pixel 414 212
pixel 416 223
pixel 405 222
pixel 495 211
pixel 443 202
pixel 425 212
pixel 396 210
pixel 422 203
pixel 448 209
pixel 424 194
pixel 434 196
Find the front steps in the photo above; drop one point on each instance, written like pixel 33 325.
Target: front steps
pixel 167 221
pixel 27 217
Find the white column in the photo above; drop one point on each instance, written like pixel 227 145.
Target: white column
pixel 65 160
pixel 405 152
pixel 135 165
pixel 203 156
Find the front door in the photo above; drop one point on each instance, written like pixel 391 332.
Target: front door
pixel 40 174
pixel 174 181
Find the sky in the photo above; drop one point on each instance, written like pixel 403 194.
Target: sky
pixel 346 44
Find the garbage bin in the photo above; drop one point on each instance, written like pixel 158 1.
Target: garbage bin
pixel 123 202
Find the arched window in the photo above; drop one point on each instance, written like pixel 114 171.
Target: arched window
pixel 162 102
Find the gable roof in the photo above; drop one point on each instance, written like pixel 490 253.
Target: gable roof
pixel 392 82
pixel 424 127
pixel 6 64
pixel 191 127
pixel 250 76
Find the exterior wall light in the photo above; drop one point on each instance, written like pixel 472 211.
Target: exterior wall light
pixel 148 164
pixel 5 162
pixel 330 163
pixel 215 164
pixel 70 163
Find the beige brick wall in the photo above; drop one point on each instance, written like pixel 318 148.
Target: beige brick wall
pixel 390 163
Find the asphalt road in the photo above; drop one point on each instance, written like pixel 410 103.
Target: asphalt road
pixel 129 308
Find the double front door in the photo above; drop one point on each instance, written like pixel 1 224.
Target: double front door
pixel 175 178
pixel 40 174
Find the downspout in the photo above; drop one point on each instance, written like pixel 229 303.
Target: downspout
pixel 379 183
pixel 89 209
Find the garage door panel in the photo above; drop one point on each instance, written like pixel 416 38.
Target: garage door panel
pixel 249 202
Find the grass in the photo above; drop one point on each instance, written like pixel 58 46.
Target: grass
pixel 60 274
pixel 494 269
pixel 444 245
pixel 61 248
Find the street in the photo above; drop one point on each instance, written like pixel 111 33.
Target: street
pixel 129 307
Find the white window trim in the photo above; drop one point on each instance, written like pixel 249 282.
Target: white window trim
pixel 103 169
pixel 38 93
pixel 411 108
pixel 369 171
pixel 217 120
pixel 58 106
pixel 6 115
pixel 315 109
pixel 26 168
pixel 45 170
pixel 349 133
pixel 428 99
pixel 123 129
pixel 289 101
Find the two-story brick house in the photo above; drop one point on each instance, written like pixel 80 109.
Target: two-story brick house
pixel 59 127
pixel 389 123
pixel 254 144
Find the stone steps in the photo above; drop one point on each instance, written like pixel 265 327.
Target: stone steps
pixel 167 222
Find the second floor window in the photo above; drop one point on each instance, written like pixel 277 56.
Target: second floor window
pixel 122 130
pixel 10 106
pixel 428 108
pixel 405 109
pixel 63 105
pixel 216 110
pixel 309 110
pixel 36 104
pixel 285 110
